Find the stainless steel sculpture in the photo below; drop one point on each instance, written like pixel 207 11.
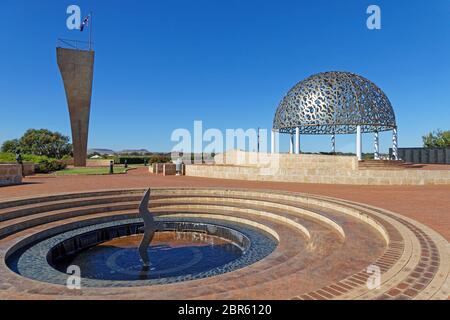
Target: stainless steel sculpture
pixel 334 103
pixel 149 228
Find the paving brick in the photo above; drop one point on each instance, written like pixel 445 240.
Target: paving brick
pixel 417 203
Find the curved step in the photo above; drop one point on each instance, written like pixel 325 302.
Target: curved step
pixel 413 252
pixel 270 268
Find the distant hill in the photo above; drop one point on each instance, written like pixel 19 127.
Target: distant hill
pixel 101 151
pixel 140 151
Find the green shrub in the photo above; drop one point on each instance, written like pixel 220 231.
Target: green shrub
pixel 43 164
pixel 50 165
pixel 7 157
pixel 34 158
pixel 130 160
pixel 141 159
pixel 437 139
pixel 368 156
pixel 159 159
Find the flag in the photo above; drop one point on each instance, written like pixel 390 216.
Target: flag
pixel 85 23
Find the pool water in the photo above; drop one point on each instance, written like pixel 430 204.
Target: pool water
pixel 172 254
pixel 106 254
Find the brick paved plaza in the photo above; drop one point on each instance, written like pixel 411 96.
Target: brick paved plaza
pixel 427 204
pixel 325 245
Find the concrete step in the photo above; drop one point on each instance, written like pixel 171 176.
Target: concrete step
pixel 382 164
pixel 52 205
pixel 23 222
pixel 11 226
pixel 279 264
pixel 258 200
pixel 36 218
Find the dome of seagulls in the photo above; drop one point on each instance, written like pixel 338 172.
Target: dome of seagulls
pixel 334 103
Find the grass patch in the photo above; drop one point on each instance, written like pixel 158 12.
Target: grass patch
pixel 90 171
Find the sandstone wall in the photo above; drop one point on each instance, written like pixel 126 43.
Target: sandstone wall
pixel 98 163
pixel 29 168
pixel 91 162
pixel 10 174
pixel 312 169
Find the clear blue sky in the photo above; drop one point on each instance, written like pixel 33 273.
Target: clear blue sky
pixel 162 64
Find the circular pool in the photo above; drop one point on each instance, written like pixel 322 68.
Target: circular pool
pixel 232 244
pixel 106 254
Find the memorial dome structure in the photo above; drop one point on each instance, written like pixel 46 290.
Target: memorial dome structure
pixel 335 103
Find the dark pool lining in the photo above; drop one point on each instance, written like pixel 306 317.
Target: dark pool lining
pixel 60 252
pixel 262 243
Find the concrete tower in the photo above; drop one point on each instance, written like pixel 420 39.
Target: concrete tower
pixel 77 70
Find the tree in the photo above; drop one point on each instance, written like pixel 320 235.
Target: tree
pixel 44 142
pixel 11 146
pixel 437 139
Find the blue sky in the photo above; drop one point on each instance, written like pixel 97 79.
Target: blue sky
pixel 162 64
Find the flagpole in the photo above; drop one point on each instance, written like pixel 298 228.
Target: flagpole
pixel 90 31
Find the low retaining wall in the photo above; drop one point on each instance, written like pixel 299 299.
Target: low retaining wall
pixel 156 168
pixel 29 169
pixel 10 174
pixel 91 162
pixel 98 163
pixel 312 169
pixel 167 169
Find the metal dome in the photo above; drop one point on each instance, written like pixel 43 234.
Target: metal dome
pixel 334 103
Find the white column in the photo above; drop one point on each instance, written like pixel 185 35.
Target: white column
pixel 272 141
pixel 395 144
pixel 376 146
pixel 297 140
pixel 291 144
pixel 333 143
pixel 358 143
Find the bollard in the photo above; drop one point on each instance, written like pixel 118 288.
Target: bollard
pixel 19 161
pixel 111 167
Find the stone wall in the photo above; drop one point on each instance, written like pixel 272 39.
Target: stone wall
pixel 285 160
pixel 167 169
pixel 10 174
pixel 91 162
pixel 98 163
pixel 29 168
pixel 156 168
pixel 311 169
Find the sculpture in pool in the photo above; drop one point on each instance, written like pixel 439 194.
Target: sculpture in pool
pixel 149 228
